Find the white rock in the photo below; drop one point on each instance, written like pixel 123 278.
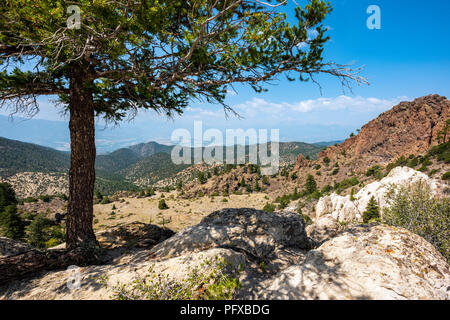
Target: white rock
pixel 366 262
pixel 342 208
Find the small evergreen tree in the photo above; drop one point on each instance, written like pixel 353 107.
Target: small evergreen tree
pixel 11 225
pixel 7 195
pixel 37 235
pixel 242 183
pixel 162 205
pixel 310 185
pixel 372 211
pixel 201 177
pixel 257 187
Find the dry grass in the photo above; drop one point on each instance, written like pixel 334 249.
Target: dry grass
pixel 182 213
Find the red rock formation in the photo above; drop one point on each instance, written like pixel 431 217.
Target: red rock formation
pixel 408 128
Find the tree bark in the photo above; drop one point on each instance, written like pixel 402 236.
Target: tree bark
pixel 80 233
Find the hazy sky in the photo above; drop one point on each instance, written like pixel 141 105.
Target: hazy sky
pixel 407 58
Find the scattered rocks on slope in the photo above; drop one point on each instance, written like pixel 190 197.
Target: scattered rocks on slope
pixel 366 262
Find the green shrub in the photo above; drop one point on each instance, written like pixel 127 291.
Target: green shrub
pixel 446 176
pixel 441 152
pixel 201 177
pixel 326 160
pixel 335 171
pixel 45 198
pixel 373 171
pixel 372 212
pixel 37 231
pixel 162 205
pixel 218 282
pixel 268 207
pixel 105 200
pixel 416 209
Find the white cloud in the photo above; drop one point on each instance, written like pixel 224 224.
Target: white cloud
pixel 340 103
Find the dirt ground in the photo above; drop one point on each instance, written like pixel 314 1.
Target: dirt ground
pixel 182 213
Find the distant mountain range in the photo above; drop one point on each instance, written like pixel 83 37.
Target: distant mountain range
pixel 120 169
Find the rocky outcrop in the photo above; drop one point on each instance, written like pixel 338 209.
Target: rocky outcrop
pixel 257 233
pixel 302 162
pixel 341 208
pixel 366 262
pixel 243 237
pixel 408 128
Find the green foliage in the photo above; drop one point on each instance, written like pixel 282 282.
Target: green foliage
pixel 441 152
pixel 45 198
pixel 268 207
pixel 7 195
pixel 265 180
pixel 372 212
pixel 11 225
pixel 105 200
pixel 162 205
pixel 335 171
pixel 415 208
pixel 294 176
pixel 346 183
pixel 326 189
pixel 374 171
pixel 446 176
pixel 201 177
pixel 41 230
pixel 326 161
pixel 256 186
pixel 310 185
pixel 16 156
pixel 242 182
pixel 215 279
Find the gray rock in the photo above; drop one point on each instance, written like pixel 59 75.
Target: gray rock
pixel 366 262
pixel 255 232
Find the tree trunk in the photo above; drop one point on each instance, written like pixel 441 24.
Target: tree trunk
pixel 80 234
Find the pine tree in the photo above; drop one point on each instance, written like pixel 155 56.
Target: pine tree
pixel 123 56
pixel 162 205
pixel 372 211
pixel 257 187
pixel 310 185
pixel 11 225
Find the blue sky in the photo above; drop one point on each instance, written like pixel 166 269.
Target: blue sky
pixel 407 58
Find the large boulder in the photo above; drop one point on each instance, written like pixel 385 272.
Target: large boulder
pixel 341 208
pixel 257 233
pixel 366 262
